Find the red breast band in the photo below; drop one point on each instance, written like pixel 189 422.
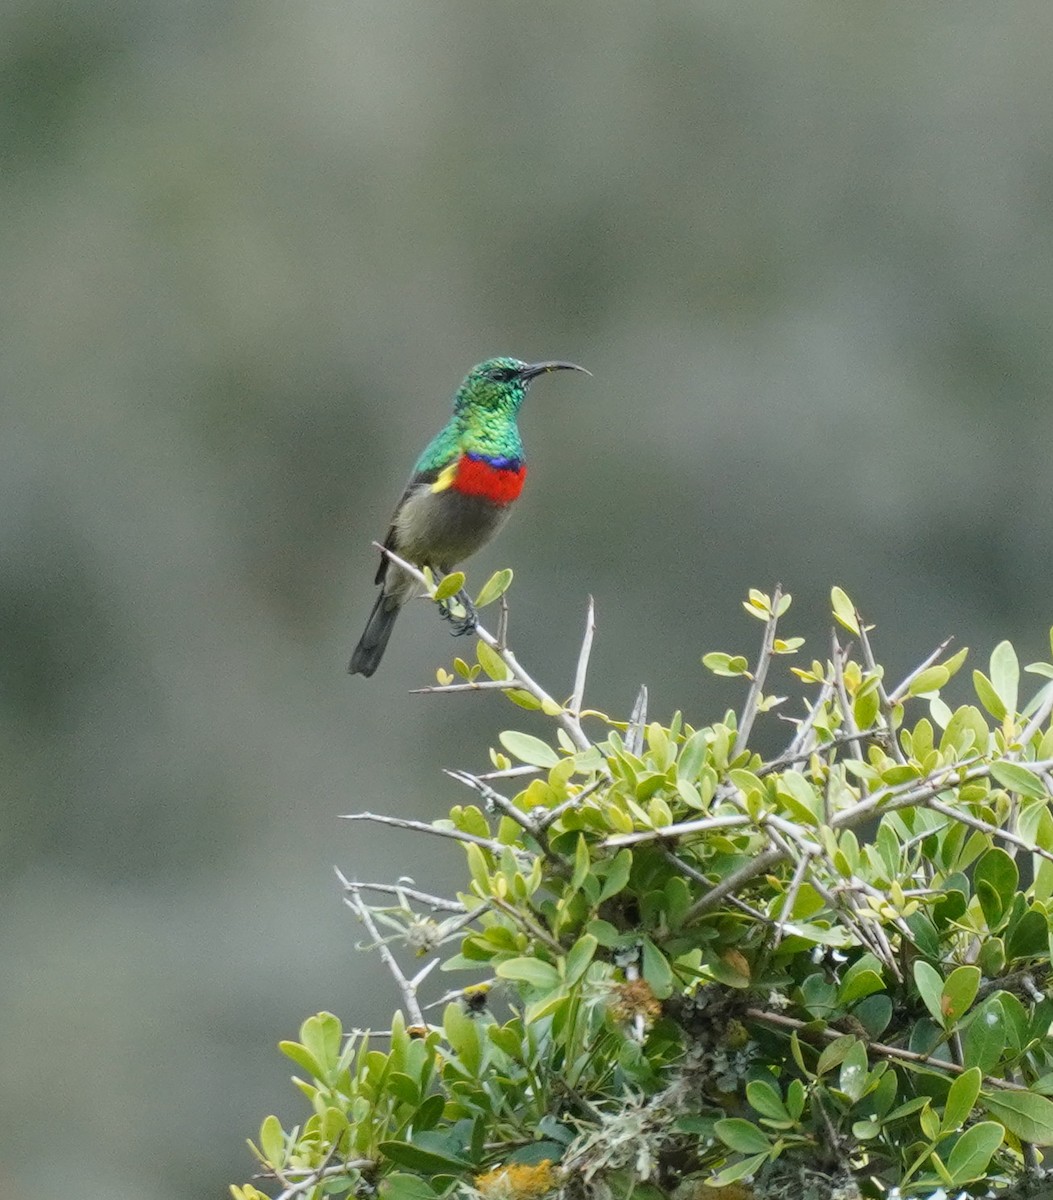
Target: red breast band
pixel 499 484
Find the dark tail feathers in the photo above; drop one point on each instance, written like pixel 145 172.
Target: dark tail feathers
pixel 370 648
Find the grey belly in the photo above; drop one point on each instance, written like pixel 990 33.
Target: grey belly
pixel 441 529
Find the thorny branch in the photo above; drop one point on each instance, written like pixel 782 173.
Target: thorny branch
pixel 318 1175
pixel 457 835
pixel 878 1048
pixel 408 987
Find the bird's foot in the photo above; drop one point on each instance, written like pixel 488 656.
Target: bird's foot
pixel 461 624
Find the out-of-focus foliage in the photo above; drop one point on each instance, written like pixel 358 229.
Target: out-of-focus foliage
pixel 822 974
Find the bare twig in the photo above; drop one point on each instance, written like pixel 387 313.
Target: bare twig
pixel 468 685
pixel 313 1178
pixel 753 696
pixel 578 695
pixel 510 772
pixel 634 733
pixel 423 827
pixel 678 830
pixel 502 622
pixel 437 903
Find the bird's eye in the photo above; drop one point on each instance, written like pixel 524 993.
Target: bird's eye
pixel 501 374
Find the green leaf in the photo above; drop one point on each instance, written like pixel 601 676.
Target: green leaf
pixel 528 749
pixel 961 1100
pixel 1005 674
pixel 763 1096
pixel 834 1054
pixel 853 1076
pixel 740 1170
pixel 1029 1116
pixel 739 1134
pixel 494 587
pixel 930 680
pixel 656 970
pixel 531 971
pixel 973 1151
pixel 403 1087
pixel 1017 778
pixel 423 1159
pixel 865 708
pixel 995 880
pixel 802 799
pixel 989 696
pixel 985 1038
pixel 429 1113
pixel 1029 937
pixel 581 954
pixel 491 662
pixel 966 732
pixel 930 988
pixel 958 993
pixel 844 610
pixel 449 586
pixel 860 984
pixel 692 756
pixel 272 1142
pixel 874 1014
pixel 617 875
pixel 399 1186
pixel 462 1033
pixel 303 1058
pixel 321 1035
pixel 907 1108
pixel 725 664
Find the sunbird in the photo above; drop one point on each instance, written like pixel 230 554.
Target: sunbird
pixel 459 495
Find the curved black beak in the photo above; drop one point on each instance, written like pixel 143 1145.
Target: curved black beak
pixel 534 369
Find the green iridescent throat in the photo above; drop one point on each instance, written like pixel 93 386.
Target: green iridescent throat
pixel 483 421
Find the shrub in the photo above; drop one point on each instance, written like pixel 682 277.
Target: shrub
pixel 700 973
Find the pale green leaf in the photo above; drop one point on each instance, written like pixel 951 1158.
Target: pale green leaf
pixel 449 586
pixel 1017 778
pixel 1005 674
pixel 494 587
pixel 844 610
pixel 528 749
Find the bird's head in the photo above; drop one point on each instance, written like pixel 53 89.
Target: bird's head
pixel 499 384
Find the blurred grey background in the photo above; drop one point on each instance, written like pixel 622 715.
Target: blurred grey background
pixel 248 250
